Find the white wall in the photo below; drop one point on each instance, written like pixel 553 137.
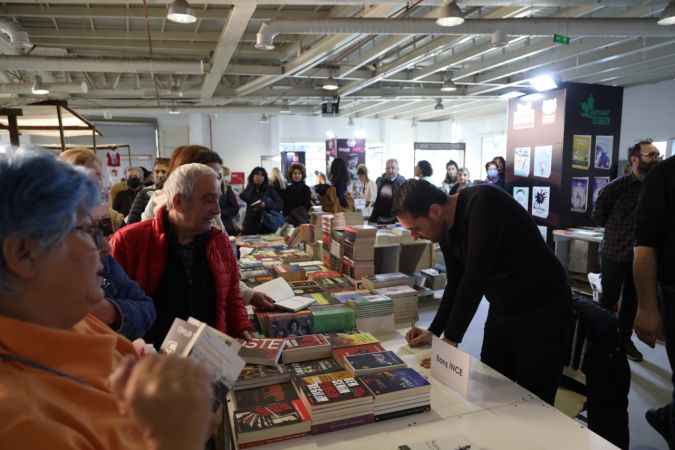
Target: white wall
pixel 471 131
pixel 648 112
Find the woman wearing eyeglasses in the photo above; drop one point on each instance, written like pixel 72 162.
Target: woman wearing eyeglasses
pixel 125 307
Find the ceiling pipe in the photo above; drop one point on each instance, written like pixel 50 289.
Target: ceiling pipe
pixel 555 3
pixel 202 109
pixel 13 38
pixel 513 27
pixel 105 65
pixel 27 88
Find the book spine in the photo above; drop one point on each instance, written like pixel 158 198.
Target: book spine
pixel 271 441
pixel 403 413
pixel 342 424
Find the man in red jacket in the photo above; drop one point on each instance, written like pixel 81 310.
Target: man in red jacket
pixel 184 264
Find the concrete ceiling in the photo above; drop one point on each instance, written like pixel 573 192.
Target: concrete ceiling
pixel 107 54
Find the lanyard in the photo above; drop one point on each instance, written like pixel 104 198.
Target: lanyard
pixel 6 357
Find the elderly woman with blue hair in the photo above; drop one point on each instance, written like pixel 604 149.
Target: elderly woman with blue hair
pixel 67 381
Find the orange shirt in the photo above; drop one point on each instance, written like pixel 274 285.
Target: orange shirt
pixel 41 410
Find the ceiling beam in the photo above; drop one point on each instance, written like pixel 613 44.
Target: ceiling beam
pixel 234 29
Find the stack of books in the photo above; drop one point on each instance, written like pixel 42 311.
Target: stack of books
pixel 369 363
pixel 335 401
pixel 290 272
pixel 304 288
pixel 383 280
pixel 405 302
pixel 269 414
pixel 316 219
pixel 335 283
pixel 358 259
pixel 398 392
pixel 333 319
pixel 264 352
pixel 255 375
pixel 306 348
pixel 342 220
pixel 316 367
pixel 404 234
pixel 434 279
pixel 374 313
pixel 387 238
pixel 281 325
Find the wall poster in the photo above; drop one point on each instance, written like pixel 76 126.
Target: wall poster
pixel 523 117
pixel 541 197
pixel 543 157
pixel 521 165
pixel 549 108
pixel 522 195
pixel 579 194
pixel 598 184
pixel 604 147
pixel 581 151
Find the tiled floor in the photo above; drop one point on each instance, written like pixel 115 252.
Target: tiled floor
pixel 651 385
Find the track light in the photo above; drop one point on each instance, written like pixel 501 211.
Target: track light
pixel 285 107
pixel 38 88
pixel 450 15
pixel 173 110
pixel 330 84
pixel 180 12
pixel 543 83
pixel 448 84
pixel 439 105
pixel 668 15
pixel 264 118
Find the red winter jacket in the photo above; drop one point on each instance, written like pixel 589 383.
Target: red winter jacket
pixel 142 248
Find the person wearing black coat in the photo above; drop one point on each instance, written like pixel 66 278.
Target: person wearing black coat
pixel 297 196
pixel 260 198
pixel 229 205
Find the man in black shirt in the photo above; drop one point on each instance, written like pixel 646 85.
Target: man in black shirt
pixel 124 199
pixel 388 186
pixel 493 248
pixel 653 268
pixel 615 210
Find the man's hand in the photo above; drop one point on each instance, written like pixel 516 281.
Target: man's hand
pixel 648 326
pixel 247 336
pixel 426 362
pixel 262 302
pixel 169 397
pixel 417 337
pixel 106 312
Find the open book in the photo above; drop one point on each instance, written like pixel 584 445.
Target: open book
pixel 217 352
pixel 281 292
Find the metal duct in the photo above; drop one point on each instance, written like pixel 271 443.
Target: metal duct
pixel 13 38
pixel 108 65
pixel 555 3
pixel 26 88
pixel 512 27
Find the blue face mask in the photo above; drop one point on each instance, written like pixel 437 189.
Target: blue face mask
pixel 492 173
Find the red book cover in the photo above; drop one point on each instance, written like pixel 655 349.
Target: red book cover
pixel 308 341
pixel 332 388
pixel 262 351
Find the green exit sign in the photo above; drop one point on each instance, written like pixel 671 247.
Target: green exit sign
pixel 560 39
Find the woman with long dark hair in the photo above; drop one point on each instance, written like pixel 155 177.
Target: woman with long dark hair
pixel 297 196
pixel 339 177
pixel 451 173
pixel 263 204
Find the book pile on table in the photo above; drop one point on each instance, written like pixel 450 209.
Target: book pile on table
pixel 264 352
pixel 434 279
pixel 405 302
pixel 306 348
pixel 281 325
pixel 335 401
pixel 398 392
pixel 255 375
pixel 368 363
pixel 316 367
pixel 374 313
pixel 333 318
pixel 358 247
pixel 260 241
pixel 383 280
pixel 269 414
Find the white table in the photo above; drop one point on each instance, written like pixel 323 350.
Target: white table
pixel 498 415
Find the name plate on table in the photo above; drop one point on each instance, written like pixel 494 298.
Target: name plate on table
pixel 450 366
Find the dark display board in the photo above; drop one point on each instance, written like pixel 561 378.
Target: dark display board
pixel 290 158
pixel 561 149
pixel 352 151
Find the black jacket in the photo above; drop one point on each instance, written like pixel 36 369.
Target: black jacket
pixel 139 204
pixel 383 206
pixel 229 210
pixel 297 195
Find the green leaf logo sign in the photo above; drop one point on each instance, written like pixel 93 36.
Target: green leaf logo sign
pixel 589 111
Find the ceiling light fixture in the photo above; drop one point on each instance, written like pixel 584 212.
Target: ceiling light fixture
pixel 448 84
pixel 264 118
pixel 38 88
pixel 180 12
pixel 285 107
pixel 330 84
pixel 450 16
pixel 668 15
pixel 543 83
pixel 173 110
pixel 511 94
pixel 439 105
pixel 499 39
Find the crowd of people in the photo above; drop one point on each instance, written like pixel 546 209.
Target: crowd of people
pixel 88 280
